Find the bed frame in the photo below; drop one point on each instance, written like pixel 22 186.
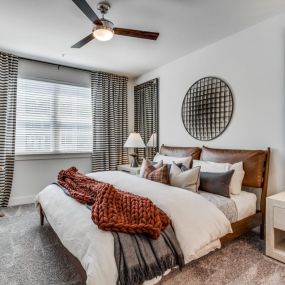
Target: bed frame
pixel 256 167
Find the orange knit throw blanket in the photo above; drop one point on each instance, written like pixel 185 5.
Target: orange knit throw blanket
pixel 113 209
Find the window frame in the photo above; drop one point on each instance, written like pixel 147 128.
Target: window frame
pixel 22 156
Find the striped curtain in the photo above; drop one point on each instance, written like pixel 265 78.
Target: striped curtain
pixel 110 120
pixel 8 94
pixel 146 115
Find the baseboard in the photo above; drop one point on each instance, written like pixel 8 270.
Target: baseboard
pixel 14 201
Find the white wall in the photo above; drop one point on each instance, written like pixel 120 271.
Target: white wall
pixel 33 173
pixel 252 62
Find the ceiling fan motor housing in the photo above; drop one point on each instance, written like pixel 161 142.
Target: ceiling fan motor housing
pixel 103 7
pixel 107 25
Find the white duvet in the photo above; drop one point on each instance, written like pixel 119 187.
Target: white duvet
pixel 198 224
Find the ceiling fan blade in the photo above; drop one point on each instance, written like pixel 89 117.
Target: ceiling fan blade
pixel 87 10
pixel 84 41
pixel 136 34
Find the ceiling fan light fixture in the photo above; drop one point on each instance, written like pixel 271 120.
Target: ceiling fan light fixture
pixel 104 32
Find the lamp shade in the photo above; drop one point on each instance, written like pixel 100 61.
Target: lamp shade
pixel 104 32
pixel 152 141
pixel 134 140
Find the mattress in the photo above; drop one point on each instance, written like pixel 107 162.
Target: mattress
pixel 245 203
pixel 198 223
pixel 235 208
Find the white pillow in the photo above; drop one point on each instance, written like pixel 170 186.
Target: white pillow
pixel 188 179
pixel 237 178
pixel 169 159
pixel 209 166
pixel 236 181
pixel 142 170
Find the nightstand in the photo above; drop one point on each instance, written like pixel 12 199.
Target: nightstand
pixel 127 168
pixel 275 226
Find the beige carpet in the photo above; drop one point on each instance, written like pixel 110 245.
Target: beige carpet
pixel 240 262
pixel 32 255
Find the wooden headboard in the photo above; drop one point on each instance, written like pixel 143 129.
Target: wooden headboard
pixel 255 164
pixel 178 151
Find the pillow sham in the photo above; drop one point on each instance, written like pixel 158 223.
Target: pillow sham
pixel 169 159
pixel 143 166
pixel 216 182
pixel 236 182
pixel 237 178
pixel 209 166
pixel 160 174
pixel 186 178
pixel 156 165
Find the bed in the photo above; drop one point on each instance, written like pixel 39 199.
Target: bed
pixel 199 225
pixel 256 167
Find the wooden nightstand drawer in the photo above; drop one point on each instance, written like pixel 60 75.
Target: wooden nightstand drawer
pixel 279 218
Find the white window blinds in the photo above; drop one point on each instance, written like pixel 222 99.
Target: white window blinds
pixel 53 118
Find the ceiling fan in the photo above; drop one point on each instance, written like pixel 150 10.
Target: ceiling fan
pixel 104 29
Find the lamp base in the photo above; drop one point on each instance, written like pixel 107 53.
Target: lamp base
pixel 134 162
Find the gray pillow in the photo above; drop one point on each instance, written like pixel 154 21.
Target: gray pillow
pixel 216 182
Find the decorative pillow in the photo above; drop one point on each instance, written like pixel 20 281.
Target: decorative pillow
pixel 236 182
pixel 178 164
pixel 209 166
pixel 186 178
pixel 143 167
pixel 160 174
pixel 183 167
pixel 169 159
pixel 216 182
pixel 237 178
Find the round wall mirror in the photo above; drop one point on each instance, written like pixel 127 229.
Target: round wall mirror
pixel 207 108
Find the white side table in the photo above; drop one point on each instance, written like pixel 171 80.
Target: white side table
pixel 127 168
pixel 275 226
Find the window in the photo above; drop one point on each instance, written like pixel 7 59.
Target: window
pixel 53 118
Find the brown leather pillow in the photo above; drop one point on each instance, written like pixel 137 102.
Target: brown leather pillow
pixel 253 162
pixel 180 151
pixel 160 174
pixel 216 182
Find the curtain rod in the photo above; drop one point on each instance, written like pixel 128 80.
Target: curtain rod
pixel 59 65
pixel 66 66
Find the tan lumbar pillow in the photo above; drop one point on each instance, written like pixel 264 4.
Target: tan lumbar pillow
pixel 187 179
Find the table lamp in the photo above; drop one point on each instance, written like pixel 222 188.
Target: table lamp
pixel 134 141
pixel 152 141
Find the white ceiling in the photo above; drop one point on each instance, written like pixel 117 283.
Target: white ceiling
pixel 45 29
